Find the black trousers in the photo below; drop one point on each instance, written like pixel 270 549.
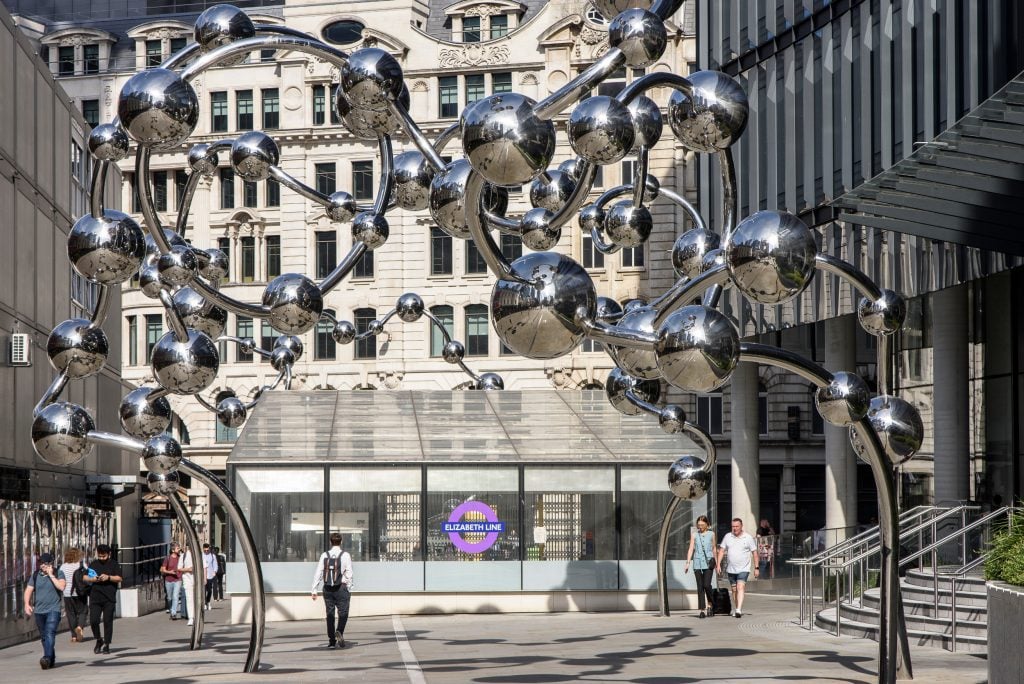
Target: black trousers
pixel 704 587
pixel 77 609
pixel 102 610
pixel 218 587
pixel 209 590
pixel 336 599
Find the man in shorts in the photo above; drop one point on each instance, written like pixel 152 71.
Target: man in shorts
pixel 739 550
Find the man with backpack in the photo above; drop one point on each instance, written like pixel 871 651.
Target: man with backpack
pixel 334 573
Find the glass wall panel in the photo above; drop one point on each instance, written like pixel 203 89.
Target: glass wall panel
pixel 285 510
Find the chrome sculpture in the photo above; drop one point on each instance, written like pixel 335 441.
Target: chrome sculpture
pixel 544 304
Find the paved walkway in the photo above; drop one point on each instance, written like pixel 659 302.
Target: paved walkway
pixel 592 647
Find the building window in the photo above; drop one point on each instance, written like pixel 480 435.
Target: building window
pixel 633 257
pixel 326 178
pixel 267 337
pixel 628 170
pixel 243 330
pixel 590 345
pixel 133 341
pixel 91 112
pixel 249 194
pixel 709 413
pixel 476 330
pixel 154 331
pixel 180 182
pixel 362 180
pixel 224 245
pixel 474 88
pixel 592 258
pixel 243 108
pixel 501 83
pixel 474 259
pixel 91 54
pixel 440 252
pixel 271 108
pixel 227 189
pixel 446 317
pixel 219 112
pixel 66 61
pixel 613 84
pixel 511 246
pixel 346 32
pixel 273 245
pixel 762 410
pixel 471 29
pixel 273 193
pixel 335 119
pixel 248 255
pixel 178 44
pixel 326 252
pixel 448 97
pixel 499 26
pixel 267 55
pixel 160 190
pixel 319 103
pixel 366 348
pixel 154 53
pixel 364 267
pixel 225 434
pixel 325 348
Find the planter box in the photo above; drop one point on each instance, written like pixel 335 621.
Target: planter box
pixel 1005 625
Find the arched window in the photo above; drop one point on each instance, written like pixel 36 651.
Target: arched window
pixel 345 32
pixel 476 330
pixel 446 315
pixel 224 434
pixel 366 348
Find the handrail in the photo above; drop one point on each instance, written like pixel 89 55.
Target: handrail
pixel 958 533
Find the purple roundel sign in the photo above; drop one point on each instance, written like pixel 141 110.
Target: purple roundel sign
pixel 491 527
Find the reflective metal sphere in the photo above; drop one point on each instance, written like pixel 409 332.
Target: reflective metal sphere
pixel 185 367
pixel 619 382
pixel 153 252
pixel 409 307
pixel 157 108
pixel 551 195
pixel 571 168
pixel 688 478
pixel 371 78
pixel 538 320
pixel 689 250
pixel 231 412
pixel 178 267
pixel 771 256
pixel 671 419
pixel 280 358
pixel 884 316
pixel 610 9
pixel 295 303
pixel 342 207
pixel 196 312
pixel 413 175
pixel 447 199
pixel 142 418
pixel 634 304
pixel 108 142
pixel 453 352
pixel 641 36
pixel 505 141
pixel 77 348
pixel 59 433
pixel 108 249
pixel 217 267
pixel 163 483
pixel 608 308
pixel 344 332
pixel 591 217
pixel 202 160
pixel 220 25
pixel 713 117
pixel 647 121
pixel 843 401
pixel 162 454
pixel 601 130
pixel 375 327
pixel 252 155
pixel 697 349
pixel 292 343
pixel 490 381
pixel 713 259
pixel 539 234
pixel 628 225
pixel 149 281
pixel 639 363
pixel 369 124
pixel 899 427
pixel 371 229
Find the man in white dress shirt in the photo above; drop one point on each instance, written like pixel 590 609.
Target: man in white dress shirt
pixel 334 573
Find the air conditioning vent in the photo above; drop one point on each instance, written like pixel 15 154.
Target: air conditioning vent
pixel 20 347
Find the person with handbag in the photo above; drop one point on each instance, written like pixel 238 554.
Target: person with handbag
pixel 702 555
pixel 76 594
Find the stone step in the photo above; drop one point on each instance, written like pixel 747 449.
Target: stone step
pixel 925 608
pixel 826 619
pixel 923 623
pixel 923 578
pixel 914 592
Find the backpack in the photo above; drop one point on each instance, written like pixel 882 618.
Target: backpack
pixel 332 570
pixel 81 587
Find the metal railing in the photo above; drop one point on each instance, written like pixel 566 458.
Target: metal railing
pixel 140 565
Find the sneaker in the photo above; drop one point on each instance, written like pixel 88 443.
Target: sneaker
pixel 44 663
pixel 98 646
pixel 332 645
pixel 189 623
pixel 702 615
pixel 338 638
pixel 174 617
pixel 341 643
pixel 739 614
pixel 106 648
pixel 207 606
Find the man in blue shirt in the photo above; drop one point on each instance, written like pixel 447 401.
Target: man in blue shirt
pixel 48 590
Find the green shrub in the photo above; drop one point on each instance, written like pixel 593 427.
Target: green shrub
pixel 1005 561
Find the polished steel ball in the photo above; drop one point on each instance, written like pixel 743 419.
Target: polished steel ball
pixel 60 433
pixel 410 307
pixel 143 418
pixel 281 358
pixel 216 268
pixel 108 142
pixel 196 312
pixel 295 303
pixel 628 225
pixel 698 347
pixel 571 167
pixel 231 412
pixel 608 309
pixel 601 130
pixel 640 363
pixel 843 401
pixel 375 327
pixel 899 427
pixel 77 348
pixel 453 351
pixel 158 109
pixel 713 116
pixel 165 484
pixel 220 25
pixel 202 160
pixel 688 478
pixel 592 217
pixel 371 229
pixel 551 194
pixel 149 281
pixel 536 316
pixel 652 188
pixel 252 155
pixel 162 453
pixel 619 382
pixel 771 256
pixel 539 233
pixel 370 124
pixel 108 249
pixel 884 316
pixel 504 139
pixel 247 345
pixel 342 207
pixel 371 78
pixel 344 332
pixel 647 122
pixel 448 194
pixel 413 175
pixel 153 252
pixel 712 260
pixel 490 381
pixel 185 367
pixel 641 36
pixel 610 9
pixel 178 267
pixel 689 251
pixel 292 343
pixel 671 418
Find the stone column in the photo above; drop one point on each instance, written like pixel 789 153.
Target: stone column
pixel 746 467
pixel 840 462
pixel 951 387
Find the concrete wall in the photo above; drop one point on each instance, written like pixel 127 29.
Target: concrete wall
pixel 1005 620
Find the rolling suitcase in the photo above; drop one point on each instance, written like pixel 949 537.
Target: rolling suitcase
pixel 721 601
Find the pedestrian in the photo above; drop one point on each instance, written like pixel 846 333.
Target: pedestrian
pixel 76 598
pixel 222 568
pixel 334 573
pixel 104 576
pixel 47 588
pixel 765 546
pixel 702 555
pixel 739 550
pixel 172 579
pixel 188 584
pixel 210 573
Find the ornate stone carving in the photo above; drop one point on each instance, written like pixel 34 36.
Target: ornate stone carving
pixel 528 79
pixel 70 41
pixel 483 11
pixel 419 87
pixel 473 55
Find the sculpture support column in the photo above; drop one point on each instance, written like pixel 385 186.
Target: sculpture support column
pixel 951 406
pixel 840 461
pixel 746 469
pixel 196 612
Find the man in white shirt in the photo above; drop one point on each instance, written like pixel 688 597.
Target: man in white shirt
pixel 210 573
pixel 740 551
pixel 334 573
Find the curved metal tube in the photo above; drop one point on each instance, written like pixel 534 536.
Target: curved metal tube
pixel 651 81
pixel 602 332
pixel 185 206
pixel 252 561
pixel 198 612
pixel 123 442
pixel 416 135
pixel 666 8
pixel 685 205
pixel 99 181
pixel 387 175
pixel 728 193
pixel 787 360
pixel 447 135
pixel 557 101
pixel 283 41
pixel 180 57
pixel 205 404
pixel 597 237
pixel 848 272
pixel 343 268
pixel 51 393
pixel 475 213
pixel 173 319
pixel 99 312
pixel 297 186
pixel 640 176
pixel 447 339
pixel 682 291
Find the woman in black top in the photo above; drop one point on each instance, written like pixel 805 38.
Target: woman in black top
pixel 105 576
